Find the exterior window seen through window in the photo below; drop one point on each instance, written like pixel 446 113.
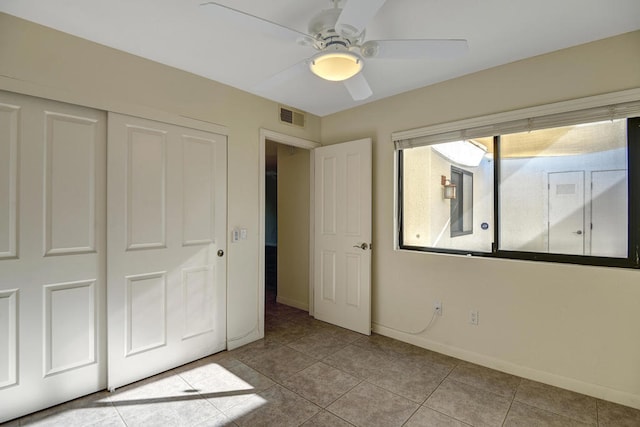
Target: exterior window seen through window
pixel 462 205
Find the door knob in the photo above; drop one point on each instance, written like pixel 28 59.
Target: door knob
pixel 362 246
pixel 220 252
pixel 579 232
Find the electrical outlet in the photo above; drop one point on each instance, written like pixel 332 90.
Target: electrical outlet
pixel 473 317
pixel 437 308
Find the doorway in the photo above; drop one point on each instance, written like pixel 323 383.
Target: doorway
pixel 287 201
pixel 296 215
pixel 271 223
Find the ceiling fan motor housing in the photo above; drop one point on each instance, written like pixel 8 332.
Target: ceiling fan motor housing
pixel 322 28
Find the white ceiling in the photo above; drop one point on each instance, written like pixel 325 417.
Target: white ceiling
pixel 185 35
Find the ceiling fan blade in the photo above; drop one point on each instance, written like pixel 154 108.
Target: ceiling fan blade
pixel 415 49
pixel 251 22
pixel 358 87
pixel 355 15
pixel 283 76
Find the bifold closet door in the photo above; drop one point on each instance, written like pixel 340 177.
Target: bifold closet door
pixel 166 243
pixel 52 253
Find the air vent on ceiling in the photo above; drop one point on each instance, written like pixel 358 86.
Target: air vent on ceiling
pixel 291 116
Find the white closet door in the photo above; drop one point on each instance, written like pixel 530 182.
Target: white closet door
pixel 166 241
pixel 52 253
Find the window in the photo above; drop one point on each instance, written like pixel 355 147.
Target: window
pixel 564 193
pixel 429 219
pixel 564 190
pixel 462 205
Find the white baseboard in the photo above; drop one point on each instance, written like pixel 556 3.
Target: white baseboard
pixel 293 303
pixel 594 390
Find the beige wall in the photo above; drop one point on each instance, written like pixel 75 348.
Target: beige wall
pixel 38 61
pixel 293 226
pixel 568 325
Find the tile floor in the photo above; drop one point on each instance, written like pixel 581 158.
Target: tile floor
pixel 310 373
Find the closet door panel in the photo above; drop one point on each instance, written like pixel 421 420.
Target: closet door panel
pixel 52 253
pixel 166 243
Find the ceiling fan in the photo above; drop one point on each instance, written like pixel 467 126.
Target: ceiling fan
pixel 338 36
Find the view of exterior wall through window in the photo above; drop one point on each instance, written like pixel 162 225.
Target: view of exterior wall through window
pixel 564 190
pixel 557 194
pixel 432 221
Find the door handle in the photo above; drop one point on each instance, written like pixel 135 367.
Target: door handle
pixel 220 252
pixel 362 246
pixel 579 232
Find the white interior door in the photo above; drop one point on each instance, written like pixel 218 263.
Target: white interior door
pixel 167 222
pixel 52 252
pixel 609 213
pixel 342 238
pixel 566 213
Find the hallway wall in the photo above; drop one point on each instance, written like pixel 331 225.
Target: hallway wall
pixel 293 226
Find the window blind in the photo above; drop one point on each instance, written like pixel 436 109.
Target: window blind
pixel 447 133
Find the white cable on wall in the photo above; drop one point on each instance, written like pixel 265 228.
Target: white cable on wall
pixel 433 316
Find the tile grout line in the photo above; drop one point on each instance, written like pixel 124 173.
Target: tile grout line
pixel 117 411
pixel 412 414
pixel 435 389
pixel 513 398
pixel 531 405
pixel 201 396
pixel 281 384
pixel 344 372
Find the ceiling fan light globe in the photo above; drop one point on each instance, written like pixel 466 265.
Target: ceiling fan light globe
pixel 336 66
